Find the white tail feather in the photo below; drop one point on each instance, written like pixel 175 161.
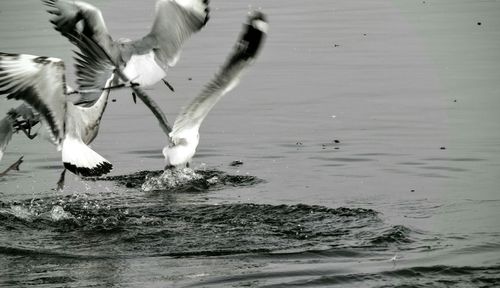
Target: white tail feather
pixel 81 160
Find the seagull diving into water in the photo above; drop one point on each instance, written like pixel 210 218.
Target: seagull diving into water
pixel 40 82
pixel 145 60
pixel 183 137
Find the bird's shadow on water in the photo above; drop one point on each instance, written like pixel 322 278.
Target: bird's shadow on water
pixel 182 180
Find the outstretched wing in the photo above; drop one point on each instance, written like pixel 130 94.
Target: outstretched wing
pixel 101 57
pixel 93 69
pixel 95 76
pixel 242 55
pixel 40 82
pixel 67 14
pixel 175 21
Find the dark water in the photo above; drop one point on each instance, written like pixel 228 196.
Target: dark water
pixel 156 239
pixel 361 150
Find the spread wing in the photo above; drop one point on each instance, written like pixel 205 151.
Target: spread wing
pixel 93 69
pixel 95 56
pixel 67 14
pixel 175 21
pixel 94 74
pixel 40 82
pixel 242 55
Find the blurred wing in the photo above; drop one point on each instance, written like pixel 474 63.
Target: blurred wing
pixel 98 58
pixel 93 69
pixel 155 109
pixel 6 131
pixel 67 14
pixel 40 82
pixel 175 21
pixel 227 78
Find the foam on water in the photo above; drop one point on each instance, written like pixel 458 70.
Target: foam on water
pixel 181 180
pixel 171 178
pixel 57 214
pixel 21 212
pixel 65 229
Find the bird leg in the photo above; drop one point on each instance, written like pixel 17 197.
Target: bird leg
pixel 134 96
pixel 118 86
pixel 14 166
pixel 122 85
pixel 168 85
pixel 60 183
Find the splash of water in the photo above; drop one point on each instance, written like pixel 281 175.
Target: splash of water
pixel 22 212
pixel 58 214
pixel 170 178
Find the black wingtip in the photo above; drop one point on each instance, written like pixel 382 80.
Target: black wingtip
pixel 99 170
pixel 253 36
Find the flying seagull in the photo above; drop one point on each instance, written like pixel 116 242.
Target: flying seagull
pixel 40 82
pixel 21 118
pixel 183 137
pixel 145 60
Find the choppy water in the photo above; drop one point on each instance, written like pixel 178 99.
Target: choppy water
pixel 153 239
pixel 361 150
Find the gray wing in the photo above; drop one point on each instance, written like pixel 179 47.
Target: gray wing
pixel 93 69
pixel 67 14
pixel 175 21
pixel 155 109
pixel 100 57
pixel 40 82
pixel 94 73
pixel 242 55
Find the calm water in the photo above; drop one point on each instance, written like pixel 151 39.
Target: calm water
pixel 383 206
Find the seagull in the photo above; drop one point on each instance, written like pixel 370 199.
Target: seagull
pixel 40 82
pixel 21 118
pixel 10 124
pixel 145 60
pixel 183 137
